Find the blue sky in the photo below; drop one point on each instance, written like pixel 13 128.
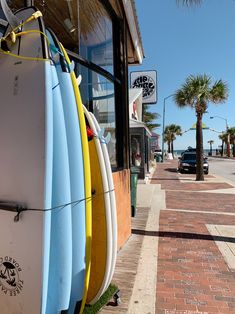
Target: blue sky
pixel 179 41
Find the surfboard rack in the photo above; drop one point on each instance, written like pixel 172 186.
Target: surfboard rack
pixel 117 298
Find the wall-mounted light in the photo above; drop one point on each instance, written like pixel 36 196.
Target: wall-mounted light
pixel 69 22
pixel 70 27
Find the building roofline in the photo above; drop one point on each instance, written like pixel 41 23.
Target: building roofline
pixel 132 20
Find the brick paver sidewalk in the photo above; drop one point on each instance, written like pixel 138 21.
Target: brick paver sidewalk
pixel 194 275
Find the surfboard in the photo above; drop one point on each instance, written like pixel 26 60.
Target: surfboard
pixel 87 177
pixel 77 183
pixel 101 252
pixel 26 139
pixel 111 194
pixel 60 265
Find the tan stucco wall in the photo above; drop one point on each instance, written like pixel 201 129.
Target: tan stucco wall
pixel 122 192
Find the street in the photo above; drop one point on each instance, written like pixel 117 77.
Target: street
pixel 222 167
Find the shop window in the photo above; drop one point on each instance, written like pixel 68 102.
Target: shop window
pixel 98 96
pixel 136 150
pixel 98 83
pixel 96 34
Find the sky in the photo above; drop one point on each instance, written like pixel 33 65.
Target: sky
pixel 180 41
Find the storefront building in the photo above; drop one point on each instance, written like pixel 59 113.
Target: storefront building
pixel 140 135
pixel 102 37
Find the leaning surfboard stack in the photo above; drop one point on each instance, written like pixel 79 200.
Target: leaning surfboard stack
pixel 57 199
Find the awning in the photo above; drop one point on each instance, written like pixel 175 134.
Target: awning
pixel 139 124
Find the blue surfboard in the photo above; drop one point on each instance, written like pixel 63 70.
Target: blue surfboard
pixel 60 267
pixel 76 174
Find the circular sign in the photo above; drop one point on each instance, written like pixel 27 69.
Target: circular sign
pixel 146 83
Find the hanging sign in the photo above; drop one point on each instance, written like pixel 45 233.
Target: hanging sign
pixel 147 80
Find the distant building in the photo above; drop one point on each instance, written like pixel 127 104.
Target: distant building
pixel 154 142
pixel 140 135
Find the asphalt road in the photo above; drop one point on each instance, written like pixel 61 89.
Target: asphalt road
pixel 222 167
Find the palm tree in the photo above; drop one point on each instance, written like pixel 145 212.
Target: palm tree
pixel 167 139
pixel 171 131
pixel 196 93
pixel 148 118
pixel 223 137
pixel 210 142
pixel 231 132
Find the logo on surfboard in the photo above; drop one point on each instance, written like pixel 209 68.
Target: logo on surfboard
pixel 10 276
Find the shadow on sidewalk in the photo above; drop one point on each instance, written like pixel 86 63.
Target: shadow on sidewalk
pixel 171 169
pixel 183 235
pixel 166 179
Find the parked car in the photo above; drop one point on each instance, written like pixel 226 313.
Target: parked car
pixel 189 149
pixel 157 152
pixel 187 163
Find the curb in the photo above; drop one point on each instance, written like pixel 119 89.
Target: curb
pixel 143 299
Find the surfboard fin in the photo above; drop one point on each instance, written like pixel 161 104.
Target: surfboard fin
pixel 104 139
pixel 107 138
pixel 79 79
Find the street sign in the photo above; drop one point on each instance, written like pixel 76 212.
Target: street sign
pixel 147 80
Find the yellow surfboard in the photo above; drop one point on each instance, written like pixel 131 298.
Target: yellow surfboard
pixel 87 176
pixel 102 244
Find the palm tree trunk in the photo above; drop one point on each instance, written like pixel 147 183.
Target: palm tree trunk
pixel 228 145
pixel 199 149
pixel 222 149
pixel 172 148
pixel 169 147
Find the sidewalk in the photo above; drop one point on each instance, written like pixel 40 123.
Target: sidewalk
pixel 180 258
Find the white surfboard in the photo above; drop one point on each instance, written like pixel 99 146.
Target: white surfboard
pixel 111 194
pixel 26 130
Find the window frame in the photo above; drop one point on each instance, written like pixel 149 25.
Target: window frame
pixel 120 80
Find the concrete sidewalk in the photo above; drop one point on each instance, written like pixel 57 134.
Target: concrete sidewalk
pixel 180 258
pixel 136 268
